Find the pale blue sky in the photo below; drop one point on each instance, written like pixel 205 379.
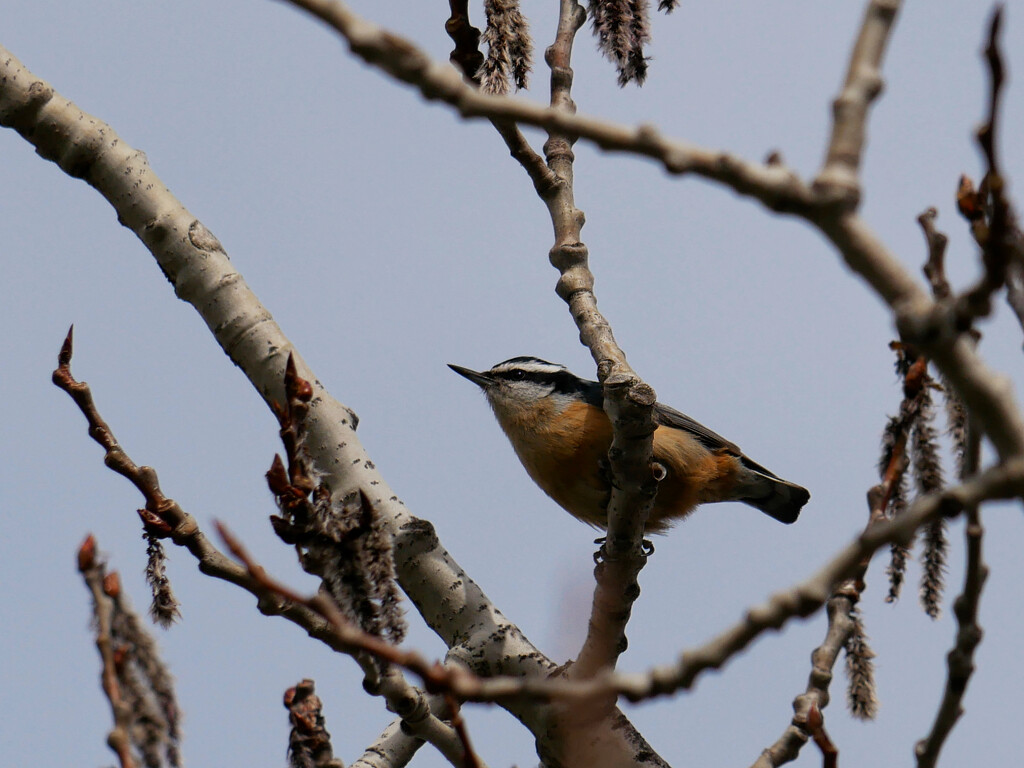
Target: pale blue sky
pixel 389 238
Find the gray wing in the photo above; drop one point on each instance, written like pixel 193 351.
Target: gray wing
pixel 670 417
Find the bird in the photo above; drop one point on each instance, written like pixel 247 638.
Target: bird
pixel 556 423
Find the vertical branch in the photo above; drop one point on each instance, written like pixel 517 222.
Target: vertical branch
pixel 628 400
pixel 840 175
pixel 992 217
pixel 135 680
pixel 935 266
pixel 94 573
pixel 466 55
pixel 309 743
pixel 960 660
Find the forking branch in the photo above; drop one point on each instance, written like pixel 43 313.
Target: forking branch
pixel 927 323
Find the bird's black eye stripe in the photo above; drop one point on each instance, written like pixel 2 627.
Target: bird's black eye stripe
pixel 518 374
pixel 560 381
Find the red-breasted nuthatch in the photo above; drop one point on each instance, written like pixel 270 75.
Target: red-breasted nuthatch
pixel 558 428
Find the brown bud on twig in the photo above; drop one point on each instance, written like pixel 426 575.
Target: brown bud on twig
pixel 968 201
pixel 112 584
pixel 87 553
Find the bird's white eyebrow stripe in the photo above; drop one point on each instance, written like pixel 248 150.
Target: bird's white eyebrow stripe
pixel 529 367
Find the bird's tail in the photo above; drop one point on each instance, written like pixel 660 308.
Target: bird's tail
pixel 772 495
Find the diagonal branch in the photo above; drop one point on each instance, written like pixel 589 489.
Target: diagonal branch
pixel 201 273
pixel 164 518
pixel 1004 481
pixel 920 321
pixel 843 619
pixel 392 749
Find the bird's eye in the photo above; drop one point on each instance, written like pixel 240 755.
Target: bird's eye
pixel 519 375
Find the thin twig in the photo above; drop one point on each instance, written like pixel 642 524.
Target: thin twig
pixel 994 222
pixel 842 602
pixel 94 573
pixel 778 187
pixel 935 266
pixel 466 54
pixel 1000 482
pixel 164 518
pixel 960 660
pixel 470 759
pixel 816 725
pixel 309 743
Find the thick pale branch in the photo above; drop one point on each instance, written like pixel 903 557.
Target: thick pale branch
pixel 198 268
pixel 163 517
pixel 392 749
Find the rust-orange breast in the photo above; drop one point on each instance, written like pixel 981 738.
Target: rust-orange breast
pixel 564 452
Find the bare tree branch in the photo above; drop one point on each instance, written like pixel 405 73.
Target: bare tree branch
pixel 960 660
pixel 392 749
pixel 840 175
pixel 470 758
pixel 628 401
pixel 919 320
pixel 309 743
pixel 466 55
pixel 1003 481
pixel 94 572
pixel 829 753
pixel 196 264
pixel 994 222
pixel 164 518
pixel 135 679
pixel 935 266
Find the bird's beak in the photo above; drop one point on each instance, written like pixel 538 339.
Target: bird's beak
pixel 480 379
